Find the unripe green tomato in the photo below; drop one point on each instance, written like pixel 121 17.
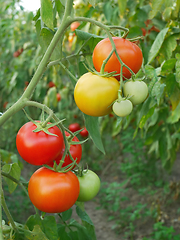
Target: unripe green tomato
pixel 122 108
pixel 137 91
pixel 89 186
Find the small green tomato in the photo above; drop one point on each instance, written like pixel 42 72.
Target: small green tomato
pixel 122 108
pixel 137 91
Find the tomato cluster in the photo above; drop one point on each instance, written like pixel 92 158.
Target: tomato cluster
pixel 97 95
pixel 53 191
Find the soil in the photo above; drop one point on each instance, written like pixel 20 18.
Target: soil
pixel 99 216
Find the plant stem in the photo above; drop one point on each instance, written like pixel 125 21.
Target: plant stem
pixel 6 210
pixel 21 103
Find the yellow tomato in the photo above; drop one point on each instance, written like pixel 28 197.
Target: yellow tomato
pixel 94 94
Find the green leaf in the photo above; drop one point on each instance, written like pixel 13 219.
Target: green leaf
pixel 82 231
pixel 36 234
pixel 171 84
pixel 92 125
pixel 108 10
pixel 122 6
pixel 175 115
pixel 168 66
pixel 13 170
pixel 163 150
pixel 157 91
pixel 157 44
pixel 178 68
pixel 47 13
pixel 93 3
pixel 169 45
pixel 83 215
pixel 146 117
pixel 156 7
pixel 67 214
pixel 47 225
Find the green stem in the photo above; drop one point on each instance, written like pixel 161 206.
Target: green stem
pixel 21 103
pixel 1 232
pixel 8 214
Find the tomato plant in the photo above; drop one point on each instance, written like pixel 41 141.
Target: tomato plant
pixel 89 185
pixel 94 94
pixel 38 148
pixel 75 151
pixel 128 51
pixel 122 108
pixel 84 132
pixel 137 91
pixel 73 127
pixel 53 192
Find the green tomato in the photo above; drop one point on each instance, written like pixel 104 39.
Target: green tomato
pixel 89 186
pixel 137 91
pixel 122 108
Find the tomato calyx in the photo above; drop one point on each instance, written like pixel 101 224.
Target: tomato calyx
pixel 43 125
pixel 101 73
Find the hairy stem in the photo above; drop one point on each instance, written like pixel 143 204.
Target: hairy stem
pixel 1 232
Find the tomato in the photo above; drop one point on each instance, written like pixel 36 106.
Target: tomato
pixel 74 25
pixel 137 91
pixel 84 132
pixel 70 38
pixel 89 186
pixel 53 192
pixel 75 150
pixel 122 108
pixel 94 94
pixel 73 127
pixel 51 84
pixel 58 96
pixel 38 148
pixel 129 53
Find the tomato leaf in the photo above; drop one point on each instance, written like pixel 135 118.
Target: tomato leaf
pixel 82 231
pixel 156 6
pixel 67 214
pixel 157 44
pixel 13 170
pixel 36 234
pixel 83 215
pixel 175 115
pixel 178 68
pixel 47 13
pixel 92 125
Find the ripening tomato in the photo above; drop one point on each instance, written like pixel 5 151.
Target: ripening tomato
pixel 51 84
pixel 89 186
pixel 75 151
pixel 73 127
pixel 58 96
pixel 137 91
pixel 84 132
pixel 53 192
pixel 129 53
pixel 94 94
pixel 74 25
pixel 38 148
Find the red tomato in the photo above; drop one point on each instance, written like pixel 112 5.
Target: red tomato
pixel 38 148
pixel 51 84
pixel 53 192
pixel 73 127
pixel 75 150
pixel 74 25
pixel 58 96
pixel 84 132
pixel 129 53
